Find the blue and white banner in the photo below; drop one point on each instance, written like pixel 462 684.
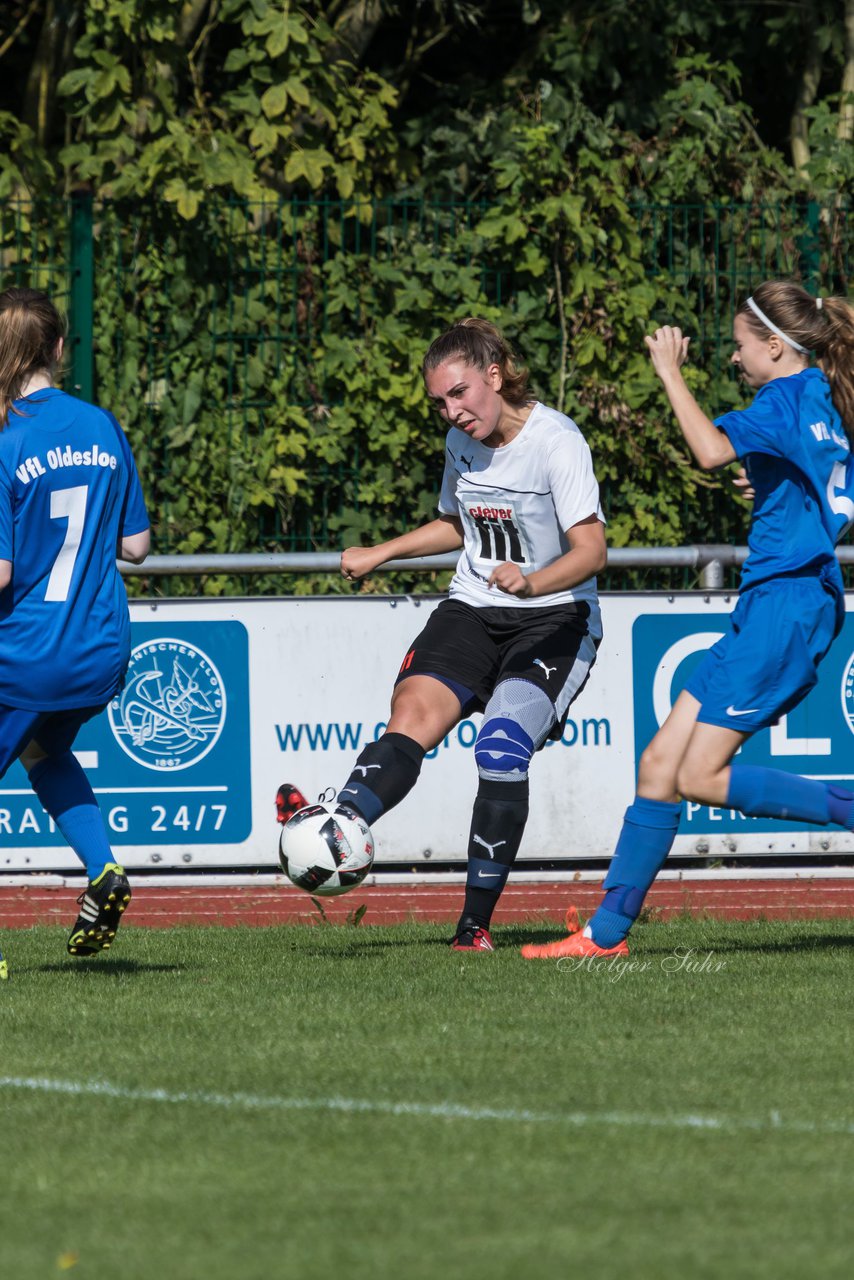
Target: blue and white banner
pixel 226 700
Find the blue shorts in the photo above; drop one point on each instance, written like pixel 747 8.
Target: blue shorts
pixel 768 661
pixel 54 731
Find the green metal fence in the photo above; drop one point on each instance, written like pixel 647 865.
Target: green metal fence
pixel 226 312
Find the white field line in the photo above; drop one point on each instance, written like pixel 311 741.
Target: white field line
pixel 772 1121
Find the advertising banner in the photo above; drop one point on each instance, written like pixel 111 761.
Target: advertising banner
pixel 226 699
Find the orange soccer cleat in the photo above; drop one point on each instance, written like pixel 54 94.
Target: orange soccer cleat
pixel 576 943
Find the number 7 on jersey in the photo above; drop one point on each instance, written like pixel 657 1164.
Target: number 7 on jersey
pixel 70 505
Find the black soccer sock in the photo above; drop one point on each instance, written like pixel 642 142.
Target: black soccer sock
pixel 497 826
pixel 384 773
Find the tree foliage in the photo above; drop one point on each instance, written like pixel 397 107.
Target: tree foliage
pixel 261 319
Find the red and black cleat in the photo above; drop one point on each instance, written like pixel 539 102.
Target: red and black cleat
pixel 288 799
pixel 472 938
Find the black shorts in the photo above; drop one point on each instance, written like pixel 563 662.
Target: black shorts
pixel 473 649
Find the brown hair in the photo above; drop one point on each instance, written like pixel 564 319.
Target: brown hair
pixel 825 326
pixel 480 344
pixel 30 330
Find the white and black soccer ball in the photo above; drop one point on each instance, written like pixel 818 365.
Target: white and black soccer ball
pixel 326 849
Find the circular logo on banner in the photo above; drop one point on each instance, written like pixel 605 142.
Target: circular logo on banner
pixel 848 693
pixel 172 708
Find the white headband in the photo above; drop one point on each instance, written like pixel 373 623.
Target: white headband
pixel 769 324
pixel 819 302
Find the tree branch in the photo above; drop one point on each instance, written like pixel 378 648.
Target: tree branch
pixel 10 39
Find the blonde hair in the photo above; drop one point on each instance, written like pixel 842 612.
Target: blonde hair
pixel 30 330
pixel 825 326
pixel 480 344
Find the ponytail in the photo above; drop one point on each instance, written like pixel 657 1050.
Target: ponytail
pixel 30 330
pixel 836 357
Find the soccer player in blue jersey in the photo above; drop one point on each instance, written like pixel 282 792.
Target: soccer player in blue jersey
pixel 70 502
pixel 795 442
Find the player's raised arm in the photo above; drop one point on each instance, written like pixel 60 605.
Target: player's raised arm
pixel 668 350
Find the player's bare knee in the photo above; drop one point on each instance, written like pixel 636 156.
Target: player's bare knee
pixel 424 710
pixel 692 782
pixel 656 770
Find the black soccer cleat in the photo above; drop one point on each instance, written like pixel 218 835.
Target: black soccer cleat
pixel 101 908
pixel 288 800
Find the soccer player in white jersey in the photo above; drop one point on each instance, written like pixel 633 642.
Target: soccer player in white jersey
pixel 518 634
pixel 795 440
pixel 70 502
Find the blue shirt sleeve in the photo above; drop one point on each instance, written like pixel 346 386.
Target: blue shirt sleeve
pixel 134 517
pixel 767 426
pixel 7 523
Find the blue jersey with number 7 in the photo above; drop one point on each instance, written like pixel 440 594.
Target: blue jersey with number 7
pixel 69 491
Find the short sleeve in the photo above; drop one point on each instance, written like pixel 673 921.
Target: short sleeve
pixel 134 517
pixel 574 489
pixel 448 505
pixel 7 518
pixel 766 426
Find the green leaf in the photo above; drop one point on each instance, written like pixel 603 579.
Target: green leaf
pixel 298 90
pixel 310 165
pixel 274 100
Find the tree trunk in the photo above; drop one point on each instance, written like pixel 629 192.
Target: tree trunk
pixel 355 23
pixel 845 128
pixel 807 91
pixel 40 91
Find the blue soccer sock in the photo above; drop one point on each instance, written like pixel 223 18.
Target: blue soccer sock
pixel 840 806
pixel 649 829
pixel 64 791
pixel 771 793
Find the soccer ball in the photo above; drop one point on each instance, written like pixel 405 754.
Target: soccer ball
pixel 326 849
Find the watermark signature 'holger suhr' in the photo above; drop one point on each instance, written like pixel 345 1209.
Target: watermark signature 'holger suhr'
pixel 683 960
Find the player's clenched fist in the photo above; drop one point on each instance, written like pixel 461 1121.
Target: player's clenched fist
pixel 668 348
pixel 509 577
pixel 357 561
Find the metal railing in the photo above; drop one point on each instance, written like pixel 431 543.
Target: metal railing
pixel 710 560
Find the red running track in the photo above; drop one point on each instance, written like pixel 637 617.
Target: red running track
pixel 166 905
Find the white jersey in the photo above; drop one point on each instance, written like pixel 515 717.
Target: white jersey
pixel 516 503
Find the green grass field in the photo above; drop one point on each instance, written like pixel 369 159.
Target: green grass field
pixel 363 1102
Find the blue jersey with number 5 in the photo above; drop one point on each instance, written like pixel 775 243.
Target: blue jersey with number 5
pixel 69 491
pixel 798 459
